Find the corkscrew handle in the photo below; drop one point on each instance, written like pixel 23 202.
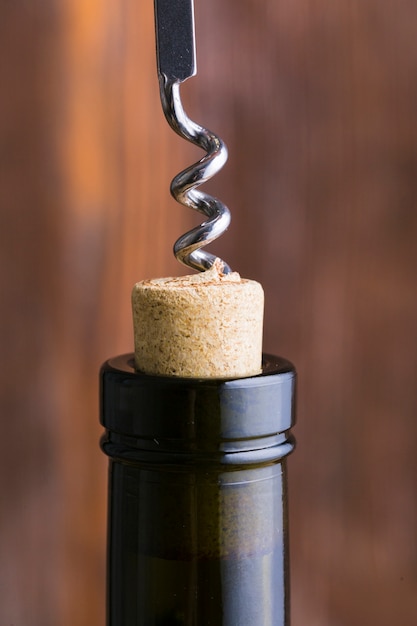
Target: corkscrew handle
pixel 175 39
pixel 175 42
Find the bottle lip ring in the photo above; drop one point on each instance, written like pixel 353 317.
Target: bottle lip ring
pixel 204 414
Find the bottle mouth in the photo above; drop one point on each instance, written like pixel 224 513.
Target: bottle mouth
pixel 198 418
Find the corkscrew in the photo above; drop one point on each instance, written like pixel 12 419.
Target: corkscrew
pixel 175 38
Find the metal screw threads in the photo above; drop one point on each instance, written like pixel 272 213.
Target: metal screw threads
pixel 187 248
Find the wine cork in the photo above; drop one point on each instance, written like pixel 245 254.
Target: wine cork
pixel 207 325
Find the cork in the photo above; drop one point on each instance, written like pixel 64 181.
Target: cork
pixel 207 325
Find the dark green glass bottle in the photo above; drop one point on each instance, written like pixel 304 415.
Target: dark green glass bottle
pixel 197 497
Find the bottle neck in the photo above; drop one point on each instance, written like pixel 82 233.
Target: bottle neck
pixel 197 498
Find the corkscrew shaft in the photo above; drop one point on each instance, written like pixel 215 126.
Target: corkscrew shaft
pixel 175 37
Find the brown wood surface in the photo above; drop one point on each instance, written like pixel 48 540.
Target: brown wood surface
pixel 317 103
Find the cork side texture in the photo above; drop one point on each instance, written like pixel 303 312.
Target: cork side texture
pixel 207 325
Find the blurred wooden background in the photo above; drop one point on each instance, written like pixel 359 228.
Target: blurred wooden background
pixel 317 103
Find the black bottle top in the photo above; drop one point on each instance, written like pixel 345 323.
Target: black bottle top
pixel 197 496
pixel 198 418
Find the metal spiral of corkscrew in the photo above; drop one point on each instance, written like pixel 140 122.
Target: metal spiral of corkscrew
pixel 176 62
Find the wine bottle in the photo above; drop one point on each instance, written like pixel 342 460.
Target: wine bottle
pixel 197 526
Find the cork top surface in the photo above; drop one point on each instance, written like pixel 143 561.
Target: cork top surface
pixel 212 277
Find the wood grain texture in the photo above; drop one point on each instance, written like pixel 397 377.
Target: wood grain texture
pixel 316 101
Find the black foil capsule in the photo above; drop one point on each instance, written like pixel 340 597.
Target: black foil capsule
pixel 197 530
